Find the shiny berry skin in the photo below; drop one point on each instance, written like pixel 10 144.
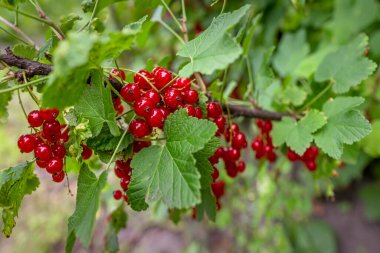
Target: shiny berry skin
pixel 55 165
pixel 198 113
pixel 190 110
pixel 139 145
pixel 239 141
pixel 311 153
pixel 162 78
pixel 43 152
pixel 42 164
pixel 257 144
pixel 35 119
pixel 49 114
pixel 231 169
pixel 50 128
pixel 231 154
pixel 156 118
pixel 119 73
pixel 215 173
pixel 117 195
pixel 26 143
pixel 86 152
pixel 139 128
pixel 266 126
pixel 58 150
pixel 272 157
pixel 65 133
pixel 125 197
pixel 214 110
pixel 190 96
pixel 240 166
pixel 58 177
pixel 218 188
pixel 143 106
pixel 182 84
pixel 122 168
pixel 157 69
pixel 292 156
pixel 172 98
pixel 141 81
pixel 153 96
pixel 311 165
pixel 130 92
pixel 124 182
pixel 220 123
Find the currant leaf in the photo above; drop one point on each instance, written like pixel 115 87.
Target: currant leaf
pixel 117 222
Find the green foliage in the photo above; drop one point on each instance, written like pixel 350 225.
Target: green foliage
pixel 81 222
pixel 15 183
pixel 169 171
pixel 118 221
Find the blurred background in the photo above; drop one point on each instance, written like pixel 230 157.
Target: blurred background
pixel 266 209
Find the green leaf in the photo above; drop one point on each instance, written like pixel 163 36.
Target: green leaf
pixel 213 49
pixel 15 183
pixel 347 66
pixel 169 172
pixel 345 125
pixel 25 51
pixel 370 144
pixel 4 101
pixel 293 48
pixel 298 135
pixel 89 5
pixel 96 106
pixel 293 95
pixel 81 222
pixel 118 221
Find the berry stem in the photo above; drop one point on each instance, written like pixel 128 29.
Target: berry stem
pixel 318 96
pixel 171 14
pixel 34 82
pixel 25 38
pixel 132 71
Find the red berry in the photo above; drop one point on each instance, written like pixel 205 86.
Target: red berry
pixel 141 79
pixel 218 188
pixel 153 96
pixel 143 106
pixel 49 114
pixel 214 110
pixel 259 154
pixel 42 164
pixel 35 119
pixel 26 143
pixel 292 156
pixel 311 153
pixel 215 173
pixel 58 150
pixel 42 152
pixel 58 177
pixel 156 118
pixel 190 110
pixel 190 96
pixel 182 84
pixel 220 123
pixel 157 69
pixel 124 182
pixel 231 154
pixel 311 165
pixel 55 165
pixel 123 168
pixel 260 123
pixel 65 133
pixel 267 149
pixel 115 72
pixel 198 113
pixel 231 128
pixel 139 128
pixel 239 141
pixel 162 78
pixel 125 197
pixel 86 152
pixel 130 92
pixel 266 127
pixel 172 98
pixel 272 157
pixel 117 195
pixel 240 166
pixel 139 145
pixel 257 144
pixel 231 169
pixel 51 128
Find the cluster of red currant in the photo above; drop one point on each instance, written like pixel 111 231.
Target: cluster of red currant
pixel 308 158
pixel 123 171
pixel 262 142
pixel 48 142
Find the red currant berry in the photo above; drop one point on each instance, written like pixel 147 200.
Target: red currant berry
pixel 35 119
pixel 231 169
pixel 215 173
pixel 311 153
pixel 259 154
pixel 130 92
pixel 162 78
pixel 172 98
pixel 311 165
pixel 143 106
pixel 51 128
pixel 266 127
pixel 157 69
pixel 260 123
pixel 58 177
pixel 232 154
pixel 153 96
pixel 65 133
pixel 182 84
pixel 239 141
pixel 49 114
pixel 190 110
pixel 139 128
pixel 139 145
pixel 198 113
pixel 55 165
pixel 156 118
pixel 292 156
pixel 214 110
pixel 141 79
pixel 220 123
pixel 125 197
pixel 86 152
pixel 26 143
pixel 240 166
pixel 272 157
pixel 58 150
pixel 218 188
pixel 42 152
pixel 231 128
pixel 117 195
pixel 123 168
pixel 42 164
pixel 257 144
pixel 124 183
pixel 190 96
pixel 119 73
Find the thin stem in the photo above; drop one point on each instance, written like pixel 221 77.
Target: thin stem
pixel 92 16
pixel 118 146
pixel 14 36
pixel 224 6
pixel 171 14
pixel 318 96
pixel 172 31
pixel 18 31
pixel 200 82
pixel 24 85
pixel 168 84
pixel 184 20
pixel 21 105
pixel 114 90
pixel 250 76
pixel 34 97
pixel 124 114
